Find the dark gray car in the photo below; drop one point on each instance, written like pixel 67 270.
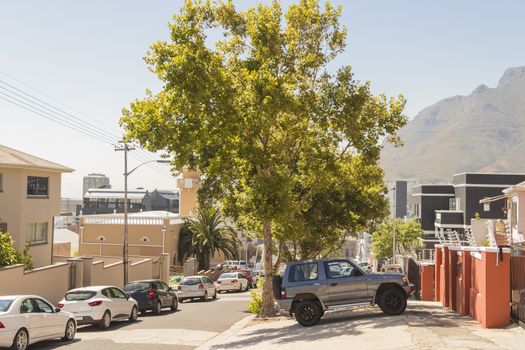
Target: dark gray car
pixel 309 288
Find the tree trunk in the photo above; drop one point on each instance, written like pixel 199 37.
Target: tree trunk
pixel 267 305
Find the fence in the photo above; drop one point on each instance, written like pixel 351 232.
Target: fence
pixel 517 284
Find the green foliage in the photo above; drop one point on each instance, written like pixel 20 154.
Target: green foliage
pixel 205 235
pixel 9 256
pixel 254 305
pixel 477 216
pixel 485 243
pixel 265 121
pixel 408 236
pixel 8 253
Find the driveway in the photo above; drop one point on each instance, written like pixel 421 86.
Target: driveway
pixel 192 325
pixel 424 325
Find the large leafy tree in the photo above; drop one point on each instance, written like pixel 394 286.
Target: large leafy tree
pixel 408 236
pixel 205 235
pixel 259 113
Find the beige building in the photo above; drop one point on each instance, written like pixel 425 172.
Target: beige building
pixel 29 201
pixel 150 234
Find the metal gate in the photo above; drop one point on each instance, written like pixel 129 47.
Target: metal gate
pixel 517 284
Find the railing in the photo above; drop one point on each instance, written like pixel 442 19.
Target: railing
pixel 119 220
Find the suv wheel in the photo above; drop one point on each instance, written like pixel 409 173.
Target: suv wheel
pixel 392 301
pixel 308 313
pixel 157 308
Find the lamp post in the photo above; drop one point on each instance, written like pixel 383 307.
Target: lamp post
pixel 126 147
pixel 394 228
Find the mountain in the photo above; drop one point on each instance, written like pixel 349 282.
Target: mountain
pixel 484 131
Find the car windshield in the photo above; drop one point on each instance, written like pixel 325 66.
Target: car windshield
pixel 136 286
pixel 4 304
pixel 228 275
pixel 80 295
pixel 190 281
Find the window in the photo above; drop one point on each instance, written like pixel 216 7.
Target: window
pixel 43 306
pixel 341 268
pixel 80 295
pixel 416 210
pixel 37 233
pixel 27 307
pixel 108 293
pixel 37 186
pixel 118 293
pixel 4 304
pixel 303 272
pixel 486 206
pixel 514 214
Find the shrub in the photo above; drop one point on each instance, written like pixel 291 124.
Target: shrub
pixel 9 255
pixel 254 306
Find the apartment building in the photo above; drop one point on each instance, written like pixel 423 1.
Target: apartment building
pixel 29 201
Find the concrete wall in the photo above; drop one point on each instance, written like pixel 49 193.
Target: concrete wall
pixel 188 186
pixel 62 249
pixel 19 210
pixel 50 282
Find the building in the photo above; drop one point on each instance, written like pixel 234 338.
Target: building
pixel 95 181
pixel 168 200
pixel 107 201
pixel 69 206
pixel 29 200
pixel 397 198
pixel 453 207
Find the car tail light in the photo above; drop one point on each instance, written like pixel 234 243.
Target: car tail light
pixel 405 281
pixel 282 295
pixel 151 294
pixel 235 281
pixel 59 305
pixel 201 286
pixel 95 303
pixel 1 325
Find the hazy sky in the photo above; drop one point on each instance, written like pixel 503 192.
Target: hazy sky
pixel 88 55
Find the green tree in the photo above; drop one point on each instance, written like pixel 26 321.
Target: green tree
pixel 205 235
pixel 408 237
pixel 259 113
pixel 9 256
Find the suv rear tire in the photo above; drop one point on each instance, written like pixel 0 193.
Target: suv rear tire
pixel 392 301
pixel 308 313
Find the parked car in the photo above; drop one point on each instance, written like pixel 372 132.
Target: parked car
pixel 192 287
pixel 152 295
pixel 232 281
pixel 27 319
pixel 99 305
pixel 252 280
pixel 309 288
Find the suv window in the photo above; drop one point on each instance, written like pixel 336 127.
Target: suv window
pixel 303 272
pixel 341 269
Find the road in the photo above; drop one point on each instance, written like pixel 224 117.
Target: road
pixel 193 324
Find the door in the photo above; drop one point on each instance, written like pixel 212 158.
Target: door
pixel 346 283
pixel 122 302
pixel 162 291
pixel 32 319
pixel 52 321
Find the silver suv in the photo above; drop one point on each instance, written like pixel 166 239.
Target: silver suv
pixel 309 288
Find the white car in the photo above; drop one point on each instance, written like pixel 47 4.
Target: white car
pixel 231 281
pixel 99 305
pixel 27 319
pixel 191 287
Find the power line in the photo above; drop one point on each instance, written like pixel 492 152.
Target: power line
pixel 64 118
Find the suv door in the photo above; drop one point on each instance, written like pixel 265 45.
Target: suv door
pixel 162 292
pixel 346 283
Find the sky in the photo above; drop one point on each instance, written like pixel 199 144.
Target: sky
pixel 88 55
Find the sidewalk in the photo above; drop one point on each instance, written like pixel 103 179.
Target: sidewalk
pixel 424 325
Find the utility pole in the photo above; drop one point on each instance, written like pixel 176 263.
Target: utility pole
pixel 124 146
pixel 394 228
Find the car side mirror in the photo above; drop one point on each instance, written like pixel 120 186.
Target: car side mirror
pixel 128 296
pixel 57 309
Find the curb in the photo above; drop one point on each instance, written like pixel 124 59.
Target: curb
pixel 221 337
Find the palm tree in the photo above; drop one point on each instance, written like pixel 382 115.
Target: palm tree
pixel 205 235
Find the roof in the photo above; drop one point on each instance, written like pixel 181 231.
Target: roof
pixel 12 158
pixel 114 193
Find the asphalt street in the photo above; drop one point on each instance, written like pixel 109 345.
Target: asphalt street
pixel 193 324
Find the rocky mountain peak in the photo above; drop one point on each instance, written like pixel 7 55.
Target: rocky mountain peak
pixel 512 76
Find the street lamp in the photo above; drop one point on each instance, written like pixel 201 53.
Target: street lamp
pixel 126 147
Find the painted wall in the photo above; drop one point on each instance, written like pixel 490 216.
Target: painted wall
pixel 19 210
